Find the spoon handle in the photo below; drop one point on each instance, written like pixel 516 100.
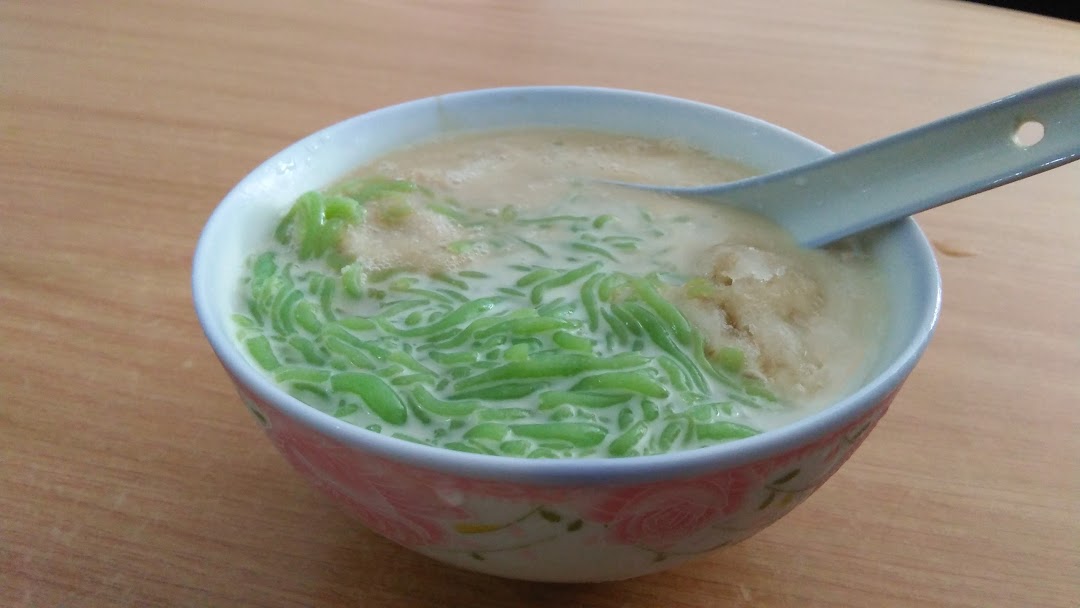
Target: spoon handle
pixel 916 170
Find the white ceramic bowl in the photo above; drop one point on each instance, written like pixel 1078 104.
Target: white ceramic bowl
pixel 554 520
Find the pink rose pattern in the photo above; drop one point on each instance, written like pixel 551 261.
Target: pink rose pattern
pixel 420 508
pixel 660 515
pixel 395 506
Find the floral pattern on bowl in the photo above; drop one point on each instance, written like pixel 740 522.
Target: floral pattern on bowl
pixel 611 531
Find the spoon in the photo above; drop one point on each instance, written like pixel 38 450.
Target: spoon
pixel 883 181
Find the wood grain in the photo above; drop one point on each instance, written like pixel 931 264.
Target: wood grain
pixel 131 476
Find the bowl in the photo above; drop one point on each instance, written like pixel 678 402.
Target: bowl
pixel 554 520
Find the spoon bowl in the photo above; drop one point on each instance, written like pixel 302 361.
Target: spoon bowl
pixel 877 183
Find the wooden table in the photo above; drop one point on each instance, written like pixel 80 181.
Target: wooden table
pixel 130 475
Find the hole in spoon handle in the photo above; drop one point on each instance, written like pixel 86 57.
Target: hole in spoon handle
pixel 1028 133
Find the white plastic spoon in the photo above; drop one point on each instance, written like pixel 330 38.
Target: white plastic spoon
pixel 877 183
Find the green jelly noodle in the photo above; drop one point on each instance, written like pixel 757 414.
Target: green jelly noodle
pixel 570 351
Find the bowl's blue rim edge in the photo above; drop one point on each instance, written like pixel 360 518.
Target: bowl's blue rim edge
pixel 572 471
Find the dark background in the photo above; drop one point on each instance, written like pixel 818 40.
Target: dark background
pixel 1063 9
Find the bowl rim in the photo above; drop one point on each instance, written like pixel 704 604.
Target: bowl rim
pixel 636 469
